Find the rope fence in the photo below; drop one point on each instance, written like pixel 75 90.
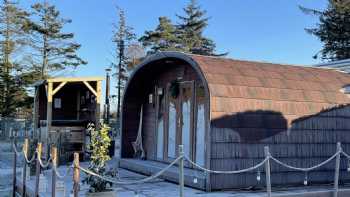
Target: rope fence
pixel 305 169
pixel 60 176
pixel 52 161
pixel 120 182
pixel 226 172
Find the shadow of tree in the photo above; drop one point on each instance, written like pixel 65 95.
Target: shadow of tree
pixel 253 126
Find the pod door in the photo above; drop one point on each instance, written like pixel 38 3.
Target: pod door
pixel 180 119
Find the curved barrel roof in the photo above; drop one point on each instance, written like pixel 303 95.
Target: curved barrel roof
pixel 295 91
pixel 238 86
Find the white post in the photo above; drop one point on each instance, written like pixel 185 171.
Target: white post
pixel 337 167
pixel 181 171
pixel 267 171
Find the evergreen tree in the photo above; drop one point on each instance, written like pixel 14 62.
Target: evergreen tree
pixel 12 72
pixel 122 38
pixel 53 49
pixel 163 38
pixel 333 30
pixel 190 31
pixel 187 36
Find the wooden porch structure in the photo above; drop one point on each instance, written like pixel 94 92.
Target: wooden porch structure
pixel 62 109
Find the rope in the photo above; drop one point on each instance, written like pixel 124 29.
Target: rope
pixel 131 182
pixel 227 172
pixel 15 149
pixel 120 182
pixel 345 154
pixel 44 165
pixel 31 160
pixel 306 169
pixel 59 175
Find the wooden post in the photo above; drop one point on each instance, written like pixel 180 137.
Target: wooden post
pixel 14 168
pixel 267 171
pixel 337 167
pixel 37 171
pixel 48 118
pixel 76 175
pixel 54 165
pixel 181 171
pixel 25 152
pixel 98 103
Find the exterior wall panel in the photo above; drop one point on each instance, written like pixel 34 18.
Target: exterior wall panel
pixel 309 140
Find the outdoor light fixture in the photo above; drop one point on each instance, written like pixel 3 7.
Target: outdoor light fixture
pixel 305 179
pixel 160 91
pixel 150 98
pixel 108 70
pixel 258 176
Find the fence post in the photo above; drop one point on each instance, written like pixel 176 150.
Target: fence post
pixel 337 168
pixel 54 165
pixel 14 167
pixel 267 171
pixel 181 171
pixel 76 175
pixel 37 170
pixel 25 152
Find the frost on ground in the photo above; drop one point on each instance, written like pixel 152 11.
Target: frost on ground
pixel 6 167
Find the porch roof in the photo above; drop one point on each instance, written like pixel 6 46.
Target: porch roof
pixel 67 79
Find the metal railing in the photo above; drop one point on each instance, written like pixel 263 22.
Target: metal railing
pixel 52 161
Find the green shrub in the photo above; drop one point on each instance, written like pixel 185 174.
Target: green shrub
pixel 100 142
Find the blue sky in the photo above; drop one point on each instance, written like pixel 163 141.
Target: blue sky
pixel 263 30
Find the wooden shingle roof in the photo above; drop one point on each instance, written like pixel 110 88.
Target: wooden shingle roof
pixel 295 91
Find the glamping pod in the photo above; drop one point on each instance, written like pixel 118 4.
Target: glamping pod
pixel 226 111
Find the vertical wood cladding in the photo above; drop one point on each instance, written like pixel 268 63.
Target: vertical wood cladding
pixel 238 142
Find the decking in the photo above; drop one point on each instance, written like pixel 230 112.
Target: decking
pixel 148 167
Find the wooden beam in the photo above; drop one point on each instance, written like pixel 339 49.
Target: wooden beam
pixel 49 92
pixel 90 88
pixel 98 91
pixel 48 119
pixel 49 107
pixel 74 79
pixel 58 88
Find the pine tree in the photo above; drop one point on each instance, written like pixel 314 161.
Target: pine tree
pixel 333 30
pixel 190 31
pixel 122 38
pixel 53 49
pixel 163 38
pixel 12 71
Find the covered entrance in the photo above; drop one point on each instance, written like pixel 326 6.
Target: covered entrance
pixel 165 105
